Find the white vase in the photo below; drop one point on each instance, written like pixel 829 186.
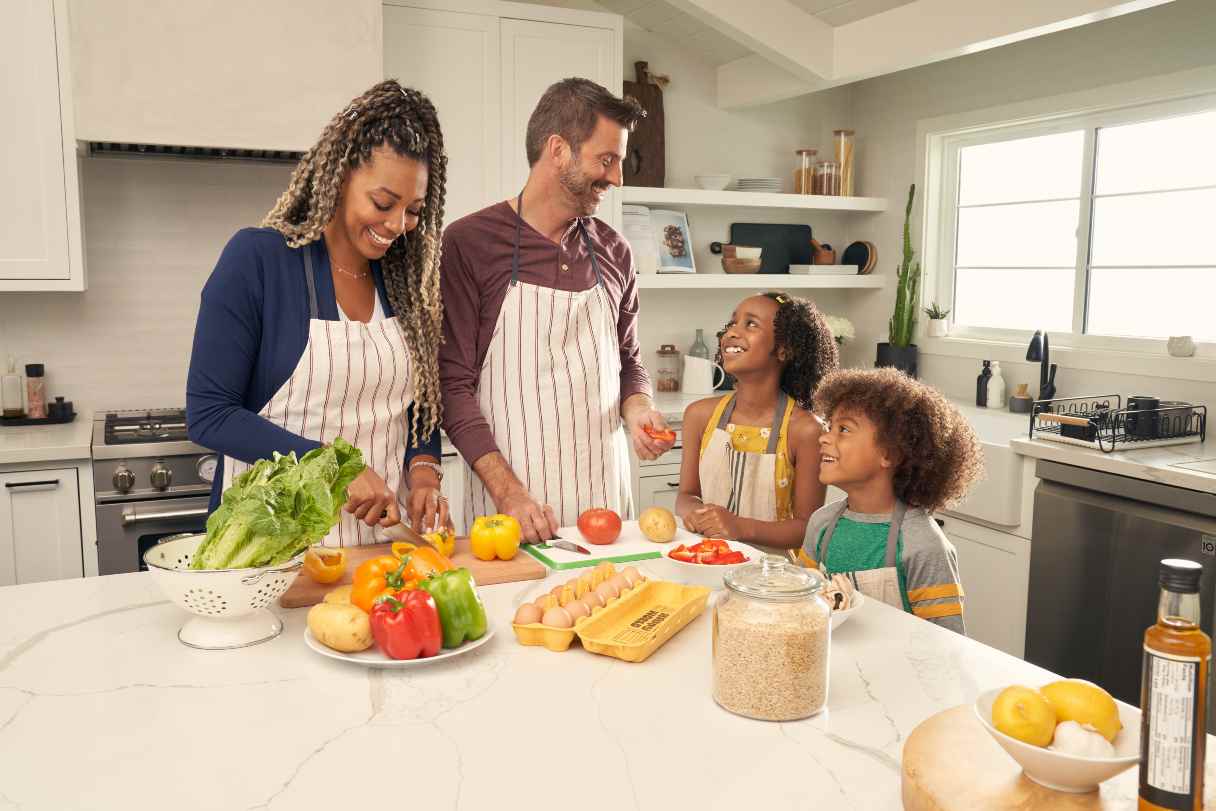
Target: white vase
pixel 937 328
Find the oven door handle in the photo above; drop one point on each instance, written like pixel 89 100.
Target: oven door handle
pixel 132 516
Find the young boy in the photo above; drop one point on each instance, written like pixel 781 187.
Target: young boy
pixel 900 451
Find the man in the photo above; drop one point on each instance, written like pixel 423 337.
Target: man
pixel 540 368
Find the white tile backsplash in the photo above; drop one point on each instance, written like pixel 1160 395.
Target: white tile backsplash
pixel 153 230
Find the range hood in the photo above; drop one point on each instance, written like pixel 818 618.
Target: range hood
pixel 222 79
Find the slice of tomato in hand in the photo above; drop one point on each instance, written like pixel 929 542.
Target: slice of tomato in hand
pixel 599 526
pixel 661 434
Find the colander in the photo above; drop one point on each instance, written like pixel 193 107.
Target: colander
pixel 230 605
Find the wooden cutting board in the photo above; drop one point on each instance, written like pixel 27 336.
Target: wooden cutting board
pixel 306 592
pixel 645 161
pixel 951 763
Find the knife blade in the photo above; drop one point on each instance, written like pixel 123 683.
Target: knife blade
pixel 570 547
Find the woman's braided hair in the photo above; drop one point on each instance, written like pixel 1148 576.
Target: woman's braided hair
pixel 404 120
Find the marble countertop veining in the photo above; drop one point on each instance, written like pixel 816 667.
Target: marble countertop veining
pixel 101 707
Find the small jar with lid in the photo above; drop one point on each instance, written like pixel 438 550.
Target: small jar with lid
pixel 804 171
pixel 667 376
pixel 771 640
pixel 35 391
pixel 827 178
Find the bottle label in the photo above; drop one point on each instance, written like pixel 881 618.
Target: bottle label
pixel 1167 747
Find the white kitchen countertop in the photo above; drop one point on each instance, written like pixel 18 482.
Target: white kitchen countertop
pixel 101 707
pixel 1192 466
pixel 47 443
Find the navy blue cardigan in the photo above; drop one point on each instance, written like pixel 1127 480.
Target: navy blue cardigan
pixel 251 332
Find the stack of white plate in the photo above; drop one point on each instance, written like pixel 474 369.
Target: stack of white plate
pixel 764 184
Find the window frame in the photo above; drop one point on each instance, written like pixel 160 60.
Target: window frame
pixel 943 140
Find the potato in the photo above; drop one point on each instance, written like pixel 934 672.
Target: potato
pixel 340 595
pixel 341 627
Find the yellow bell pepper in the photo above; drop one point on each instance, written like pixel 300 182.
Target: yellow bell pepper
pixel 444 540
pixel 495 536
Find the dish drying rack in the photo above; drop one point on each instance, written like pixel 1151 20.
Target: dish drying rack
pixel 1102 422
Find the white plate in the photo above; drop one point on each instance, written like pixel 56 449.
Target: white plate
pixel 372 657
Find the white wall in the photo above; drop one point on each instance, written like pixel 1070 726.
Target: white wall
pixel 153 230
pixel 885 111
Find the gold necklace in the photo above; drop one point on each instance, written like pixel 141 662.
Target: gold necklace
pixel 346 272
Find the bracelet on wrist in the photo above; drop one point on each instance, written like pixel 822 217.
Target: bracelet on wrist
pixel 417 463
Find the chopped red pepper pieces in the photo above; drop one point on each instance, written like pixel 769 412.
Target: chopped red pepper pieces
pixel 711 551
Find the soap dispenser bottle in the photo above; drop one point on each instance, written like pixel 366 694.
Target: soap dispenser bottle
pixel 981 385
pixel 996 387
pixel 10 391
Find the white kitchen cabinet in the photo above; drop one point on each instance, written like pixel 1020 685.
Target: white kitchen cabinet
pixel 40 526
pixel 995 570
pixel 453 489
pixel 41 241
pixel 453 57
pixel 485 65
pixel 658 489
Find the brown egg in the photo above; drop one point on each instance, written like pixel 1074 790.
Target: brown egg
pixel 594 600
pixel 608 591
pixel 566 595
pixel 558 618
pixel 620 581
pixel 557 590
pixel 577 609
pixel 546 602
pixel 528 613
pixel 632 575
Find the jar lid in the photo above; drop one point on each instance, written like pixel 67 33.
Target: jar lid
pixel 806 151
pixel 667 348
pixel 842 132
pixel 34 370
pixel 774 578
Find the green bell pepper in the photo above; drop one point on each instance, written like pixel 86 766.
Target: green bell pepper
pixel 461 612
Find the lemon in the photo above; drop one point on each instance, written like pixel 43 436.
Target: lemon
pixel 1085 703
pixel 1025 714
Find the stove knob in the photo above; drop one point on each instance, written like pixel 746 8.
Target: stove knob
pixel 162 477
pixel 124 479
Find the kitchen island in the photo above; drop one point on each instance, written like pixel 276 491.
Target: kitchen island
pixel 101 707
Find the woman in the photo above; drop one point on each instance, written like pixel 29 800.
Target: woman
pixel 326 321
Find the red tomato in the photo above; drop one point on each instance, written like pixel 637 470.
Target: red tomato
pixel 599 526
pixel 661 435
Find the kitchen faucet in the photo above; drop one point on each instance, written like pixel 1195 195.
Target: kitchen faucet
pixel 1040 351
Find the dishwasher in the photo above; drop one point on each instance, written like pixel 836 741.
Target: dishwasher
pixel 1096 546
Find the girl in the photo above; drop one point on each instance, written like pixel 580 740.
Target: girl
pixel 756 477
pixel 326 321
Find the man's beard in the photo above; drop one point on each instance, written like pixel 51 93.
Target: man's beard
pixel 583 191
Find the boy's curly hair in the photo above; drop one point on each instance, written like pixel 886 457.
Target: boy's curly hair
pixel 810 348
pixel 939 455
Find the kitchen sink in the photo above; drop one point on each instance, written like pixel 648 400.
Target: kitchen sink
pixel 996 498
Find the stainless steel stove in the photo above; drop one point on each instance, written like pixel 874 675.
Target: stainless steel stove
pixel 150 481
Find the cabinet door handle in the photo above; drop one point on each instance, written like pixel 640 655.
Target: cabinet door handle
pixel 673 484
pixel 132 516
pixel 940 523
pixel 46 483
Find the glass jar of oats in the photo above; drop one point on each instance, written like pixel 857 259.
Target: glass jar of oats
pixel 771 639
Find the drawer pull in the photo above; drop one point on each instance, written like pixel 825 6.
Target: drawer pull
pixel 46 483
pixel 673 484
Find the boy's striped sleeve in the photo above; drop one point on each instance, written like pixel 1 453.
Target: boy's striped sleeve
pixel 935 589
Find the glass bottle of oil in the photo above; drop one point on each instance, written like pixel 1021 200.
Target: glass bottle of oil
pixel 1173 695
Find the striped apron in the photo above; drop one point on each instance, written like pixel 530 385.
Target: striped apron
pixel 550 389
pixel 352 381
pixel 879 584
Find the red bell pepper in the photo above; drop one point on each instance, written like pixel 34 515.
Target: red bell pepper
pixel 406 625
pixel 711 551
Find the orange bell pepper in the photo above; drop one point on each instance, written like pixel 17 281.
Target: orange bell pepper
pixel 421 562
pixel 325 565
pixel 380 575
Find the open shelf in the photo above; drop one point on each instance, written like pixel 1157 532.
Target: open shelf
pixel 649 196
pixel 755 281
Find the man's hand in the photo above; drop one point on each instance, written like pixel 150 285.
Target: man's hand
pixel 713 521
pixel 370 501
pixel 639 414
pixel 536 520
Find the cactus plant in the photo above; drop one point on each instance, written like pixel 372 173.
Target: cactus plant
pixel 907 294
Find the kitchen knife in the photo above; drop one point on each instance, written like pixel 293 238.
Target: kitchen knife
pixel 570 547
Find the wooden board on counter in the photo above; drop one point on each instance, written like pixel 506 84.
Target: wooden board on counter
pixel 951 763
pixel 305 592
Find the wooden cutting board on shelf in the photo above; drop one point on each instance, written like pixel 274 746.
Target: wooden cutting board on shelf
pixel 951 763
pixel 645 161
pixel 306 592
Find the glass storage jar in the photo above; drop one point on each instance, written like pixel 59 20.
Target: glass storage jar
pixel 771 639
pixel 668 372
pixel 827 177
pixel 804 171
pixel 843 142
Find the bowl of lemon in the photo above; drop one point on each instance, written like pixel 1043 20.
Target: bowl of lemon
pixel 1069 735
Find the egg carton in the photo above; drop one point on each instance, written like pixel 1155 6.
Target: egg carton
pixel 629 627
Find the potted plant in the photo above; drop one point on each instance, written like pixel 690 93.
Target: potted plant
pixel 898 350
pixel 937 320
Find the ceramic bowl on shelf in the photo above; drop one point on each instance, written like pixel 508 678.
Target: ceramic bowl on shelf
pixel 713 182
pixel 1061 771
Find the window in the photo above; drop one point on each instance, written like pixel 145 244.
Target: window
pixel 1097 225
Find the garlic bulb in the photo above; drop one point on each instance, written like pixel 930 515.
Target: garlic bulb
pixel 1083 741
